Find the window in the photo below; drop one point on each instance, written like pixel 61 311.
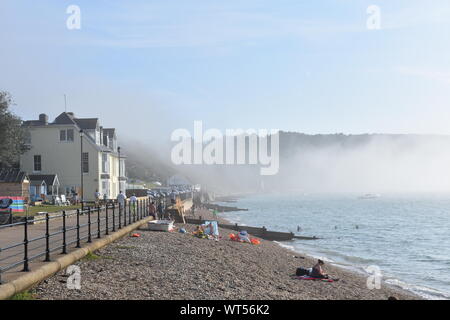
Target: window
pixel 66 135
pixel 27 136
pixel 62 135
pixel 105 188
pixel 37 163
pixel 69 134
pixel 122 168
pixel 105 163
pixel 85 162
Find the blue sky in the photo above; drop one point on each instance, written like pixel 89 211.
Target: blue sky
pixel 148 67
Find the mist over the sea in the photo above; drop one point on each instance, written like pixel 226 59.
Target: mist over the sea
pixel 373 163
pixel 377 163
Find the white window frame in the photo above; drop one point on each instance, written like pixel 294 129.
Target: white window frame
pixel 65 133
pixel 85 162
pixel 105 163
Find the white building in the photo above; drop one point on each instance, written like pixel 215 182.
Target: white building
pixel 56 148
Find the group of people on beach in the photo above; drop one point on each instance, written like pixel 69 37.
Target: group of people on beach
pixel 206 231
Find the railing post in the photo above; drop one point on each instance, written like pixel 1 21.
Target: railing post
pixel 64 248
pixel 47 238
pixel 114 217
pixel 120 215
pixel 124 213
pixel 129 212
pixel 25 246
pixel 89 225
pixel 78 229
pixel 98 222
pixel 107 224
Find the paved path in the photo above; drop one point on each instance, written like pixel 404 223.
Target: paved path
pixel 12 238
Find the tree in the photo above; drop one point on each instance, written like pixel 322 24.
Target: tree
pixel 12 134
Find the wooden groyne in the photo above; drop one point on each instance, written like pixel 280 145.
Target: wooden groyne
pixel 262 233
pixel 220 208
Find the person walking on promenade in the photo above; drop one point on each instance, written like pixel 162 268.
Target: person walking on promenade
pixel 152 210
pixel 121 200
pixel 173 197
pixel 97 197
pixel 133 200
pixel 160 210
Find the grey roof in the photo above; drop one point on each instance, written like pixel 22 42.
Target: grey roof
pixel 48 178
pixel 37 182
pixel 12 175
pixel 87 123
pixel 82 123
pixel 33 123
pixel 64 118
pixel 68 118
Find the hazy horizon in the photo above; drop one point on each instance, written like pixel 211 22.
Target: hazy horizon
pixel 148 68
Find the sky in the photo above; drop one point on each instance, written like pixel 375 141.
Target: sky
pixel 149 67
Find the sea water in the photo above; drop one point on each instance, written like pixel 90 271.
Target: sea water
pixel 406 236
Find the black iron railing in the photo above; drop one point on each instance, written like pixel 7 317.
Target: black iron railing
pixel 66 230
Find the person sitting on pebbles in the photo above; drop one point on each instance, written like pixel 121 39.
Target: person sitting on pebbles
pixel 199 232
pixel 317 271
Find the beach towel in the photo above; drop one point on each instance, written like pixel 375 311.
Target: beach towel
pixel 312 278
pixel 15 204
pixel 211 228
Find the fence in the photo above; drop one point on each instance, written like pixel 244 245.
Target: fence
pixel 66 230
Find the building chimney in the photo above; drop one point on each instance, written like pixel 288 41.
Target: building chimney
pixel 43 118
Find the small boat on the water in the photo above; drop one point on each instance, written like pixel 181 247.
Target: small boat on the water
pixel 370 196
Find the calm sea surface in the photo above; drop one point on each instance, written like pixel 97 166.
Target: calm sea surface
pixel 406 236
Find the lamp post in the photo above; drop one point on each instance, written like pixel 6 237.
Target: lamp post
pixel 118 151
pixel 82 190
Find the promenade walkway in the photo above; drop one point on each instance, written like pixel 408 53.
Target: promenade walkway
pixel 13 259
pixel 102 222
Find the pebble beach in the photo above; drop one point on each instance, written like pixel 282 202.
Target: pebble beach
pixel 179 266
